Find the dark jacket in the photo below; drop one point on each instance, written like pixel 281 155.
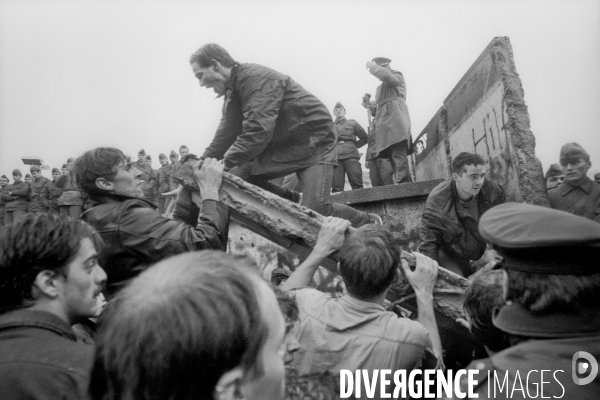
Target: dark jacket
pixel 36 203
pixel 149 179
pixel 20 194
pixel 582 200
pixel 71 195
pixel 136 235
pixel 164 180
pixel 445 227
pixel 272 120
pixel 392 121
pixel 41 358
pixel 51 194
pixel 350 136
pixel 549 343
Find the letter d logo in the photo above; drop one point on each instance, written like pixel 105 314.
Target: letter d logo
pixel 582 367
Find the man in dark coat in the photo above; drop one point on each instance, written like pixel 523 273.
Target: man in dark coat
pixel 392 121
pixel 164 182
pixel 36 203
pixel 15 198
pixel 3 189
pixel 549 260
pixel 449 223
pixel 50 280
pixel 137 236
pixel 350 137
pixel 271 127
pixel 148 178
pixel 577 194
pixel 51 193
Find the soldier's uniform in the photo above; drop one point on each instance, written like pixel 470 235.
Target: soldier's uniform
pixel 539 240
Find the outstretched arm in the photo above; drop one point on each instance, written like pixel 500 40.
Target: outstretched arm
pixel 422 280
pixel 330 239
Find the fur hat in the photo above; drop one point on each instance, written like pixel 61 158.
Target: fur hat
pixel 573 151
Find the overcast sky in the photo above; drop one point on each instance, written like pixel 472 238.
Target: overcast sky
pixel 75 75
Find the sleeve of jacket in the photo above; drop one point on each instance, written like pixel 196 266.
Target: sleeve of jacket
pixel 24 192
pixel 261 101
pixel 7 198
pixel 143 228
pixel 429 242
pixel 387 76
pixel 45 195
pixel 163 181
pixel 227 133
pixel 362 136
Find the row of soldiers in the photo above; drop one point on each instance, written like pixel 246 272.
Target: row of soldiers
pixel 60 195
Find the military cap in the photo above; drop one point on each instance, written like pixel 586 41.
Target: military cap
pixel 149 157
pixel 554 170
pixel 162 155
pixel 339 105
pixel 17 172
pixel 28 176
pixel 142 151
pixel 34 168
pixel 280 273
pixel 65 166
pixel 381 60
pixel 55 170
pixel 173 154
pixel 70 160
pixel 542 240
pixel 572 151
pixel 5 177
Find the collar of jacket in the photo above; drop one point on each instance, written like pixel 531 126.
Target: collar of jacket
pixel 447 192
pixel 232 80
pixel 514 319
pixel 587 186
pixel 341 120
pixel 37 319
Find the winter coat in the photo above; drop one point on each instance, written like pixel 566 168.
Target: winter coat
pixel 51 194
pixel 392 121
pixel 164 180
pixel 350 137
pixel 18 200
pixel 71 195
pixel 271 120
pixel 445 227
pixel 36 203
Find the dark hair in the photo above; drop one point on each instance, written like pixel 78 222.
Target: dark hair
pixel 178 327
pixel 94 164
pixel 211 51
pixel 369 259
pixel 548 294
pixel 34 244
pixel 481 298
pixel 465 158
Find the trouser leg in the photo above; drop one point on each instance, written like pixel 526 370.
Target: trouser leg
pixel 399 160
pixel 386 173
pixel 374 173
pixel 18 214
pixel 316 186
pixel 161 205
pixel 354 172
pixel 339 177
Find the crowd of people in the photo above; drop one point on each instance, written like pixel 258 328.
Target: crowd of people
pixel 183 319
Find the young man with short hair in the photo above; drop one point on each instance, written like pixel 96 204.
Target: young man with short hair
pixel 272 127
pixel 449 232
pixel 49 280
pixel 355 331
pixel 15 198
pixel 577 194
pixel 36 202
pixel 148 178
pixel 70 201
pixel 136 235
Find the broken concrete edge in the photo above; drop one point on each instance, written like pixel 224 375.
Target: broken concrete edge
pixel 401 192
pixel 531 175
